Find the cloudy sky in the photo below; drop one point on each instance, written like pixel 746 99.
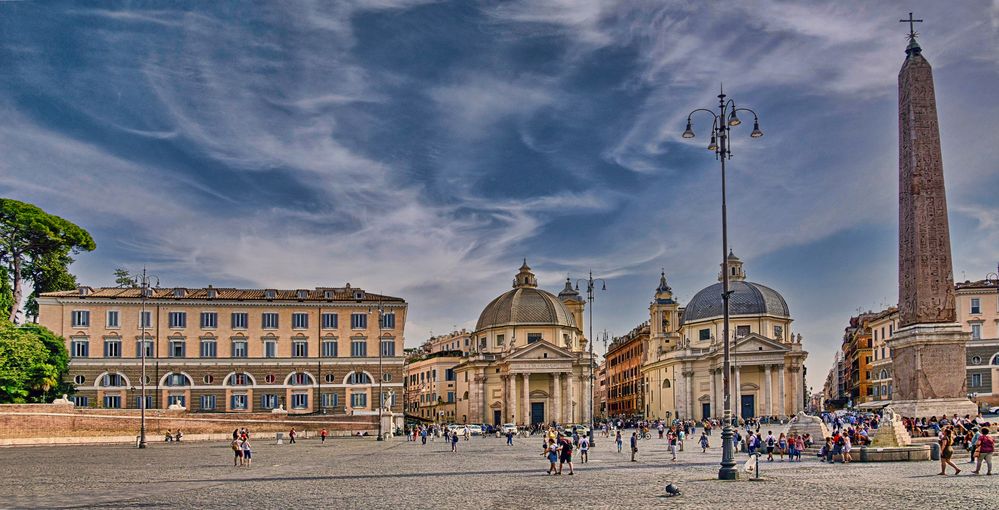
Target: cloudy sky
pixel 421 149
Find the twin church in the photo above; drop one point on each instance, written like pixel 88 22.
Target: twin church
pixel 528 360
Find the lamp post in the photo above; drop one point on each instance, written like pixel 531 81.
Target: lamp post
pixel 722 123
pixel 590 288
pixel 381 320
pixel 143 282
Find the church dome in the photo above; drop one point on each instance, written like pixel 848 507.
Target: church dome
pixel 525 304
pixel 747 298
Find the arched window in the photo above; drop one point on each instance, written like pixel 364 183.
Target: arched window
pixel 176 379
pixel 358 378
pixel 666 383
pixel 114 380
pixel 239 379
pixel 300 379
pixel 995 359
pixel 884 373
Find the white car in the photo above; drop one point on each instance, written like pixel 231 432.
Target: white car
pixel 994 410
pixel 475 430
pixel 509 427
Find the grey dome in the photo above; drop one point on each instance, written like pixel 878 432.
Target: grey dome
pixel 747 298
pixel 525 305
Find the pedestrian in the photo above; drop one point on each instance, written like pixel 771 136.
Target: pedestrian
pixel 986 446
pixel 237 459
pixel 947 451
pixel 291 436
pixel 565 454
pixel 509 437
pixel 847 446
pixel 247 453
pixel 782 446
pixel 551 453
pixel 704 443
pixel 634 445
pixel 771 443
pixel 672 444
pixel 235 434
pixel 322 435
pixel 799 446
pixel 584 449
pixel 974 443
pixel 618 440
pixel 423 435
pixel 454 443
pixel 680 436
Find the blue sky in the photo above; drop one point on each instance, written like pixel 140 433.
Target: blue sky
pixel 421 149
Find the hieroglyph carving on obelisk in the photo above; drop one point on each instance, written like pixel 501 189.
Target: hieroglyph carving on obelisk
pixel 925 273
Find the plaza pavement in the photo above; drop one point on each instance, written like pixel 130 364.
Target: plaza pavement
pixel 361 473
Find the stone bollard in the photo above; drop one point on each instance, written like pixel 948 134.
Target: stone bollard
pixel 863 454
pixel 934 451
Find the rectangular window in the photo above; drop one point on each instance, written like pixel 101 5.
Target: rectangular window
pixel 358 348
pixel 533 337
pixel 976 380
pixel 112 321
pixel 149 402
pixel 329 348
pixel 268 401
pixel 704 334
pixel 269 320
pixel 209 349
pixel 208 402
pixel 209 320
pixel 976 331
pixel 741 331
pixel 500 339
pixel 300 349
pixel 146 319
pixel 177 320
pixel 359 321
pixel 450 397
pixel 270 349
pixel 176 399
pixel 148 346
pixel 112 348
pixel 358 400
pixel 240 320
pixel 300 401
pixel 330 400
pixel 178 348
pixel 239 402
pixel 388 321
pixel 81 318
pixel 976 305
pixel 79 348
pixel 448 374
pixel 330 321
pixel 779 332
pixel 300 320
pixel 239 349
pixel 81 401
pixel 112 401
pixel 388 347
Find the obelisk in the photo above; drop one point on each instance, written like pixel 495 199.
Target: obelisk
pixel 928 351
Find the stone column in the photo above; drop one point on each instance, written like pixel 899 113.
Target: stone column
pixel 527 398
pixel 714 393
pixel 796 389
pixel 768 402
pixel 567 391
pixel 506 397
pixel 780 390
pixel 688 381
pixel 737 394
pixel 487 414
pixel 557 399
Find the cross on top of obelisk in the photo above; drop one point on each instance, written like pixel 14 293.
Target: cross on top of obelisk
pixel 913 45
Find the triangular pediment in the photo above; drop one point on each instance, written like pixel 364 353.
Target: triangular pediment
pixel 753 343
pixel 541 350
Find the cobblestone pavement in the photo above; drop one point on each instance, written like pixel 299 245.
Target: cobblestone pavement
pixel 361 473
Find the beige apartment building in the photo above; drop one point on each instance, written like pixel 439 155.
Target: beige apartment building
pixel 431 393
pixel 232 350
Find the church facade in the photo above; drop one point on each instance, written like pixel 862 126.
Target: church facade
pixel 683 367
pixel 528 361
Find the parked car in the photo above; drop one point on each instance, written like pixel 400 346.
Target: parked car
pixel 475 430
pixel 994 410
pixel 509 427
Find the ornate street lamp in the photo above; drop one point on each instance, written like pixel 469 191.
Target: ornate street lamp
pixel 590 288
pixel 722 124
pixel 381 376
pixel 143 283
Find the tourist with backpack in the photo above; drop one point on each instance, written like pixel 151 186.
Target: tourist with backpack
pixel 986 446
pixel 771 444
pixel 565 454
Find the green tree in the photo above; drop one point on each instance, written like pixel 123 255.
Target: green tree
pixel 123 278
pixel 6 293
pixel 37 247
pixel 25 369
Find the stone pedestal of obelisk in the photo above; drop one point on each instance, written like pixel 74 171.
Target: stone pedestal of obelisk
pixel 928 351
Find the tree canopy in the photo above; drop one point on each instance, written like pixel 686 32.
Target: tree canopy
pixel 37 247
pixel 33 364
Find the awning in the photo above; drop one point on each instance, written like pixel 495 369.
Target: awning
pixel 876 404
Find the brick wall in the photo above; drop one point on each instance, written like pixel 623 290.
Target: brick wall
pixel 55 420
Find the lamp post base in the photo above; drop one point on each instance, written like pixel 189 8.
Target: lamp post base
pixel 142 444
pixel 380 438
pixel 728 470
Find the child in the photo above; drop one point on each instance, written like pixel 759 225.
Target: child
pixel 704 442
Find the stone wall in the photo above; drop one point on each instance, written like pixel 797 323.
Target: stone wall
pixel 58 420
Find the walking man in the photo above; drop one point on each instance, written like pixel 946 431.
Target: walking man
pixel 291 436
pixel 634 445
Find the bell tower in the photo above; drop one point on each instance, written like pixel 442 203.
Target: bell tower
pixel 663 318
pixel 574 302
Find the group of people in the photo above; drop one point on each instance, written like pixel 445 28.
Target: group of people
pixel 242 453
pixel 559 447
pixel 170 437
pixel 976 441
pixel 423 432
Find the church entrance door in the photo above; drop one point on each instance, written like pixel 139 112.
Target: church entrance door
pixel 537 412
pixel 748 406
pixel 705 410
pixel 497 417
